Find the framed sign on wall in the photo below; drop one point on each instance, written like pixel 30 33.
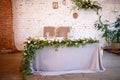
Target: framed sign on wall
pixel 55 5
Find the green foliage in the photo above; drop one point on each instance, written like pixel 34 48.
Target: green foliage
pixel 117 23
pixel 86 4
pixel 34 44
pixel 116 36
pixel 109 35
pixel 104 28
pixel 116 32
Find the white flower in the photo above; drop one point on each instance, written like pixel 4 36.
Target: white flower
pixel 76 43
pixel 28 41
pixel 84 41
pixel 34 42
pixel 60 40
pixel 49 41
pixel 24 53
pixel 35 38
pixel 56 39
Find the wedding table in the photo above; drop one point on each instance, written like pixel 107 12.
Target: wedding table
pixel 82 59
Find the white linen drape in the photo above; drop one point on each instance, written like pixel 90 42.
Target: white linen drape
pixel 82 59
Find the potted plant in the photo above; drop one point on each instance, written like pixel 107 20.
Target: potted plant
pixel 116 35
pixel 110 33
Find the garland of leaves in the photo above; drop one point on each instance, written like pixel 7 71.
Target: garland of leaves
pixel 86 4
pixel 34 44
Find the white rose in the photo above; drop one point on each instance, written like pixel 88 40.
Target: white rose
pixel 28 42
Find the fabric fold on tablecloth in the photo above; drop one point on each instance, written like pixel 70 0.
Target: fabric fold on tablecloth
pixel 83 59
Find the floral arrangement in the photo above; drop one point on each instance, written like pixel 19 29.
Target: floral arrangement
pixel 34 44
pixel 86 4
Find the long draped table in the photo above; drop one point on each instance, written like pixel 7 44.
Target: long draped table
pixel 82 59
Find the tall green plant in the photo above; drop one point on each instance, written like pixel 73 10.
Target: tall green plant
pixel 116 32
pixel 117 23
pixel 104 28
pixel 109 35
pixel 116 36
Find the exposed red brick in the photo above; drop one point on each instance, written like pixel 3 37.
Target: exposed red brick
pixel 6 29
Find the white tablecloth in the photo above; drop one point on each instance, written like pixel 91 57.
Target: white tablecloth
pixel 83 59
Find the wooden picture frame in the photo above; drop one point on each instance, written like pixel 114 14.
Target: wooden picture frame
pixel 55 5
pixel 75 15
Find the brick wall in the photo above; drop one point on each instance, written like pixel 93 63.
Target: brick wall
pixel 6 29
pixel 30 17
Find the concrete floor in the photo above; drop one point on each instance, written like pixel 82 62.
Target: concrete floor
pixel 10 64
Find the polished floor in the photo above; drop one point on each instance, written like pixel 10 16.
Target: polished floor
pixel 10 64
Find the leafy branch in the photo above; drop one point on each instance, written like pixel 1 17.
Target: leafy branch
pixel 86 4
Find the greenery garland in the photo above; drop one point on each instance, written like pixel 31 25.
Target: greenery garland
pixel 34 44
pixel 86 4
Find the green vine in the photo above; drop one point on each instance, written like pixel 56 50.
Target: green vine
pixel 34 44
pixel 86 4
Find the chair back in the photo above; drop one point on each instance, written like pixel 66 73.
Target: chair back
pixel 49 31
pixel 62 32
